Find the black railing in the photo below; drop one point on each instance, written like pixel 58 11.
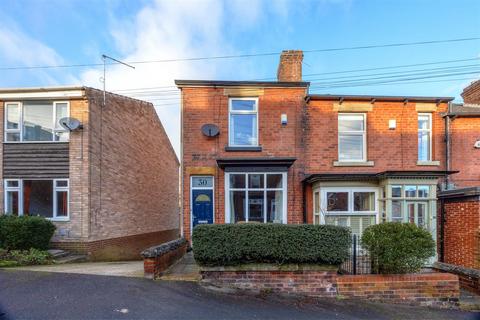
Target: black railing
pixel 358 261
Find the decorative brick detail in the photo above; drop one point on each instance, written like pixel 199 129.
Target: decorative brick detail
pixel 304 282
pixel 432 289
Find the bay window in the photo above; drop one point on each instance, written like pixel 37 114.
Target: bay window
pixel 424 137
pixel 35 121
pixel 355 208
pixel 352 137
pixel 256 197
pixel 243 122
pixel 32 197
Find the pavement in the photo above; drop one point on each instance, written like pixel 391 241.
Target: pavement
pixel 47 295
pixel 117 268
pixel 185 269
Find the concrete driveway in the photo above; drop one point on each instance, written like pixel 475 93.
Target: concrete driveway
pixel 40 295
pixel 118 268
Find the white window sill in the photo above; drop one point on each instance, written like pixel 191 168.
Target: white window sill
pixel 428 163
pixel 353 163
pixel 59 219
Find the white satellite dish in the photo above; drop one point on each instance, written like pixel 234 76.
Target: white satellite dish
pixel 70 124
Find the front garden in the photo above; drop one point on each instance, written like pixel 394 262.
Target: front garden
pixel 304 260
pixel 24 240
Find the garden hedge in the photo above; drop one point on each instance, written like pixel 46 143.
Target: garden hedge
pixel 25 232
pixel 233 244
pixel 398 247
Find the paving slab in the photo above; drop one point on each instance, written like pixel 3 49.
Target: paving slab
pixel 117 268
pixel 185 269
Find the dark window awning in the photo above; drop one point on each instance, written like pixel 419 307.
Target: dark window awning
pixel 433 174
pixel 255 164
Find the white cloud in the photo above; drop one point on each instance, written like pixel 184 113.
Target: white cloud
pixel 162 30
pixel 19 49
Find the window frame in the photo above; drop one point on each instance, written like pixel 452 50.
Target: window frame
pixel 353 133
pixel 265 189
pixel 55 216
pixel 233 112
pixel 350 191
pixel 429 130
pixel 20 130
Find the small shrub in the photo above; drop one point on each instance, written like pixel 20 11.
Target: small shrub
pixel 398 247
pixel 25 232
pixel 30 257
pixel 24 257
pixel 233 244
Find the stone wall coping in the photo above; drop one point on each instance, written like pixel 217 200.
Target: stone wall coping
pixel 164 248
pixel 447 267
pixel 397 277
pixel 271 267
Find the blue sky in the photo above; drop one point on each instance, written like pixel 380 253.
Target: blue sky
pixel 52 32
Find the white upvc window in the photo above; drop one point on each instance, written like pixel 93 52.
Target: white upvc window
pixel 353 207
pixel 243 122
pixel 35 121
pixel 424 136
pixel 256 196
pixel 48 198
pixel 352 137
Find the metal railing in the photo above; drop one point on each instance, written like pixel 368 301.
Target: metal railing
pixel 359 260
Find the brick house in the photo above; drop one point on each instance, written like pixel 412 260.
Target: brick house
pixel 273 152
pixel 105 185
pixel 459 227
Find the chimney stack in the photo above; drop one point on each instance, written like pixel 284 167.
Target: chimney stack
pixel 471 94
pixel 290 66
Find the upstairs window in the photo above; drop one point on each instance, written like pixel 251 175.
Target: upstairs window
pixel 35 121
pixel 424 137
pixel 243 122
pixel 351 137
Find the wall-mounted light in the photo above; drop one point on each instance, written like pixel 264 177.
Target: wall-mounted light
pixel 283 119
pixel 392 124
pixel 477 144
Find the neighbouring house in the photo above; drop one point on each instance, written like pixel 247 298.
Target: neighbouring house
pixel 272 152
pixel 459 223
pixel 104 177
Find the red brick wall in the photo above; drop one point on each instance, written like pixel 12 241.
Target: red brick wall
pixel 310 283
pixel 461 233
pixel 426 289
pixel 116 249
pixel 463 156
pixel 154 267
pixel 389 149
pixel 210 105
pixel 471 94
pixel 433 289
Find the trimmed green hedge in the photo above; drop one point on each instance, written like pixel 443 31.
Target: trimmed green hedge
pixel 233 244
pixel 25 232
pixel 398 247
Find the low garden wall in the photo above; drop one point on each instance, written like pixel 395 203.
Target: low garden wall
pixel 158 258
pixel 429 289
pixel 308 280
pixel 469 278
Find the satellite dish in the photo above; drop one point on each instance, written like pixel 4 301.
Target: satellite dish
pixel 210 130
pixel 70 124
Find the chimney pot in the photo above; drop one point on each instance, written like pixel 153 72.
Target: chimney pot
pixel 290 66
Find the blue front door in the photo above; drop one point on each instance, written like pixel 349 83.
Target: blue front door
pixel 202 206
